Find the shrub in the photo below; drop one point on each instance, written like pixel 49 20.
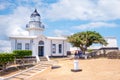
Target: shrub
pixel 5 58
pixel 22 53
pixel 113 54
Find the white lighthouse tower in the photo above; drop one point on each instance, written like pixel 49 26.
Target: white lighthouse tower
pixel 35 26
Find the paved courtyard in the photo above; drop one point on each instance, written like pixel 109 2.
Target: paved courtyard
pixel 92 69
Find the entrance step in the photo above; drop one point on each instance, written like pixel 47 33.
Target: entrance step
pixel 26 74
pixel 43 59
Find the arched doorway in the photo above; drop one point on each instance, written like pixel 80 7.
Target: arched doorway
pixel 41 48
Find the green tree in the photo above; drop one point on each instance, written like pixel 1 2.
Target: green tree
pixel 83 40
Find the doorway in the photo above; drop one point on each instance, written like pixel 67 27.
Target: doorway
pixel 40 50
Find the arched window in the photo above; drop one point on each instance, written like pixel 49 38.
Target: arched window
pixel 41 42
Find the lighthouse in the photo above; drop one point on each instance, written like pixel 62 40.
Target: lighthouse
pixel 35 26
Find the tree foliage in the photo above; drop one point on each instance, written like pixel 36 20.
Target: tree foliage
pixel 86 39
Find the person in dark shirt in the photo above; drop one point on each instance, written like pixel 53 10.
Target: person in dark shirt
pixel 76 54
pixel 80 54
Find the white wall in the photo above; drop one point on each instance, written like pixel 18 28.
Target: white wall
pixel 12 44
pixel 34 32
pixel 34 48
pixel 23 41
pixel 57 42
pixel 66 47
pixel 47 45
pixel 112 42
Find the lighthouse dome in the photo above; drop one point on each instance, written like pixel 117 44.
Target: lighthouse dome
pixel 35 13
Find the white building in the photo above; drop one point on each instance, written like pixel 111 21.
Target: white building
pixel 47 46
pixel 112 42
pixel 37 41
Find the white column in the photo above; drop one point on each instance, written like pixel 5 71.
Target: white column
pixel 76 65
pixel 34 52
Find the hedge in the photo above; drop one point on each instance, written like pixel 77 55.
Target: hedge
pixel 22 53
pixel 5 58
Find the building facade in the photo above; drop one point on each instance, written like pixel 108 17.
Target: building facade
pixel 37 41
pixel 42 45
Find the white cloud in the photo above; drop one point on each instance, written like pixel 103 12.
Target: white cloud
pixel 15 23
pixel 84 10
pixel 110 8
pixel 67 9
pixel 4 5
pixel 93 25
pixel 5 46
pixel 61 32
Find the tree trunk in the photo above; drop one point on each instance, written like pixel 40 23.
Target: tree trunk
pixel 82 49
pixel 4 66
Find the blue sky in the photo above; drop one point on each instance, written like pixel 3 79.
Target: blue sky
pixel 61 17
